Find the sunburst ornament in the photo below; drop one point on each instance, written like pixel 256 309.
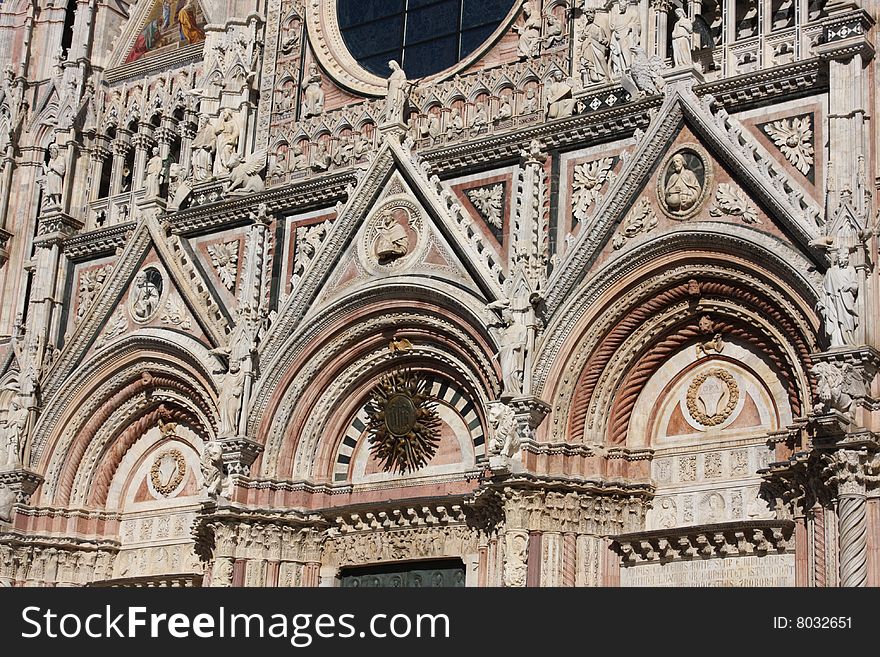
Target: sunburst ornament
pixel 403 422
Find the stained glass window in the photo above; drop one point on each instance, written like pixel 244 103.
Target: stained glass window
pixel 423 36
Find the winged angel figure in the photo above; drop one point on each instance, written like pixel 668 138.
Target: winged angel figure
pixel 245 178
pixel 795 139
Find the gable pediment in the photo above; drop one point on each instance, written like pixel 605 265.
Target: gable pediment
pixel 645 195
pixel 397 221
pixel 152 285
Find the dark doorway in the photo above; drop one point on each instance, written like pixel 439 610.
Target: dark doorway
pixel 417 574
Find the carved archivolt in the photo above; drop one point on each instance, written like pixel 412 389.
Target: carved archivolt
pixel 651 310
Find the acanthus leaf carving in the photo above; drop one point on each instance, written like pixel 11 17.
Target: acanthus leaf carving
pixel 794 137
pixel 224 257
pixel 731 201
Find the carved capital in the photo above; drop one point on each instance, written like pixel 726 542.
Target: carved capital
pixel 851 471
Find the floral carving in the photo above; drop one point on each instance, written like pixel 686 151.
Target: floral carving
pixel 588 180
pixel 90 283
pixel 489 203
pixel 794 137
pixel 732 202
pixel 641 220
pixel 224 257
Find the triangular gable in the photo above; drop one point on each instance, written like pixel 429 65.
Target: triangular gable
pixel 747 160
pixel 160 26
pixel 429 253
pixel 185 278
pixel 441 208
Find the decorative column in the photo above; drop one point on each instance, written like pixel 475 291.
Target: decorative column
pixel 239 450
pixel 850 471
pixel 7 166
pixel 121 147
pixel 143 141
pixel 100 155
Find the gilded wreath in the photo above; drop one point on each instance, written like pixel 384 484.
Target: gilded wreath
pixel 721 414
pixel 167 472
pixel 403 422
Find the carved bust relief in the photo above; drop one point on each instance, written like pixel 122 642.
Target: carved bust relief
pixel 391 236
pixel 685 176
pixel 146 294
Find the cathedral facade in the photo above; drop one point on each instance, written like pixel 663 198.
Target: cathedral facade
pixel 439 293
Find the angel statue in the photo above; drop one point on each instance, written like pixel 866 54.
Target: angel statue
pixel 245 177
pixel 838 386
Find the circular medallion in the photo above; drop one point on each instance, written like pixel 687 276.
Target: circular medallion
pixel 400 415
pixel 391 237
pixel 712 396
pixel 684 181
pixel 145 294
pixel 167 472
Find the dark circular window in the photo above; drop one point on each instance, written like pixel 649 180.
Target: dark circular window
pixel 424 36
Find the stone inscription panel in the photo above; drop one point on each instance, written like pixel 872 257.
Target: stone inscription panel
pixel 770 570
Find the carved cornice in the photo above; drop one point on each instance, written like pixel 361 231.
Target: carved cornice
pixel 615 123
pixel 99 242
pixel 777 84
pixel 314 192
pixel 754 537
pixel 231 530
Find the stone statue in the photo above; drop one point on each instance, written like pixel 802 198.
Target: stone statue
pixel 594 50
pixel 560 99
pixel 179 189
pixel 505 434
pixel 530 31
pixel 505 110
pixel 644 74
pixel 15 432
pixel 626 28
pixel 145 296
pixel 203 151
pixel 511 337
pixel 53 179
pixel 683 189
pixel 226 134
pixel 391 241
pixel 837 305
pixel 682 40
pixel 480 120
pixel 530 102
pixel 396 96
pixel 298 160
pixel 8 499
pixel 553 31
pixel 230 400
pixel 154 174
pixel 455 124
pixel 211 465
pixel 321 157
pixel 313 95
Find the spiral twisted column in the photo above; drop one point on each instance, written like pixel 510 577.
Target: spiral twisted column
pixel 853 541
